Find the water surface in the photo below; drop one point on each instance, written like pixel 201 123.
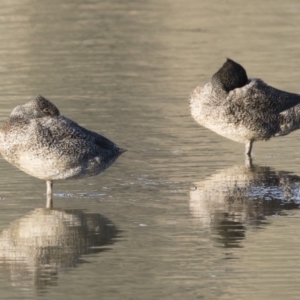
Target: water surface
pixel 178 216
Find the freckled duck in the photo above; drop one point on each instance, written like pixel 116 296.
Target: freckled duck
pixel 244 109
pixel 37 139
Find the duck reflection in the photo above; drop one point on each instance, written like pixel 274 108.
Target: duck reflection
pixel 240 196
pixel 35 249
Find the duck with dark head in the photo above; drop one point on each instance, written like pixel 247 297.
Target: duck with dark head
pixel 242 109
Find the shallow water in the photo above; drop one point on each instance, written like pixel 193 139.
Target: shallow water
pixel 178 216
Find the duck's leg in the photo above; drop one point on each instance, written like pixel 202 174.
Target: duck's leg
pixel 49 203
pixel 248 148
pixel 248 162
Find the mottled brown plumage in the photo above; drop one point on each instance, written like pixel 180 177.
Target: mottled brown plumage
pixel 44 144
pixel 243 110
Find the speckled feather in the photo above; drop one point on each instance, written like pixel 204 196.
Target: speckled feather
pixel 251 112
pixel 289 121
pixel 49 146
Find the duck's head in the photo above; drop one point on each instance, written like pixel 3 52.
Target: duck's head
pixel 38 108
pixel 230 76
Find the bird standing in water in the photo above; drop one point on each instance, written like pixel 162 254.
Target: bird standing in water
pixel 37 139
pixel 244 109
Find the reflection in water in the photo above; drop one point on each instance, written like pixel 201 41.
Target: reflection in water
pixel 239 196
pixel 44 243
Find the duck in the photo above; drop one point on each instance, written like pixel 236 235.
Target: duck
pixel 41 142
pixel 244 109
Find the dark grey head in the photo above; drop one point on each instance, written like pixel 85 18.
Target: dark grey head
pixel 230 76
pixel 38 108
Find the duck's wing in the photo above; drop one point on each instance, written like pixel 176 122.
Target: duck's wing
pixel 67 137
pixel 262 98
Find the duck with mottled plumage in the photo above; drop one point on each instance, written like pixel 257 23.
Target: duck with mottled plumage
pixel 37 139
pixel 244 109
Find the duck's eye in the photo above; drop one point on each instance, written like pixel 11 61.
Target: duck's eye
pixel 46 110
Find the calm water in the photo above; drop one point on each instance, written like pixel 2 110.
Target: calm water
pixel 178 216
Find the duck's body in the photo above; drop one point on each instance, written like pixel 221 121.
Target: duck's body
pixel 44 144
pixel 246 110
pixel 56 148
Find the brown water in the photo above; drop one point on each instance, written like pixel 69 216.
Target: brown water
pixel 178 216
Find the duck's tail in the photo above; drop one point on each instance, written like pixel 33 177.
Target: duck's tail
pixel 289 120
